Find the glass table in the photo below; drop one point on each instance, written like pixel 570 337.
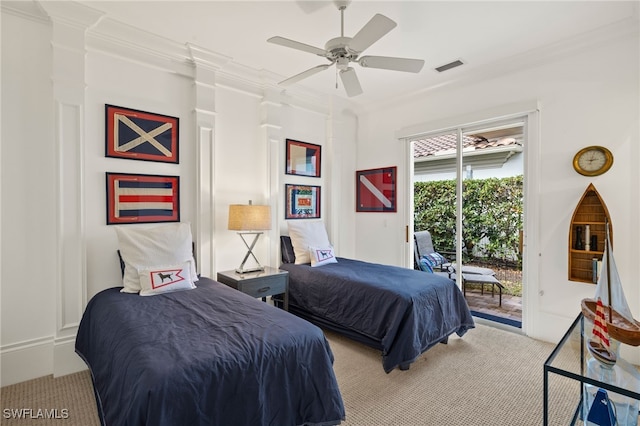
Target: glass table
pixel 602 393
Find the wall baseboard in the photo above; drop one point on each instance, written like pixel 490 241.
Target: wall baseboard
pixel 26 360
pixel 37 358
pixel 65 359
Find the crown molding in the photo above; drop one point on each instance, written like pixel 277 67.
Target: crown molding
pixel 25 10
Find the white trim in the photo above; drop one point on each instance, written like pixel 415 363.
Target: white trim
pixel 66 361
pixel 476 118
pixel 531 234
pixel 26 360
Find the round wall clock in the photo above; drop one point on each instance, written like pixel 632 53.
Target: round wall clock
pixel 593 160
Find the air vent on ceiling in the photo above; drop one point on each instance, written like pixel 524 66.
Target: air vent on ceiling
pixel 450 65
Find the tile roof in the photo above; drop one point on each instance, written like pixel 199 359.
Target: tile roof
pixel 433 145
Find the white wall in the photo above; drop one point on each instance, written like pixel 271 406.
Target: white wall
pixel 57 251
pixel 584 101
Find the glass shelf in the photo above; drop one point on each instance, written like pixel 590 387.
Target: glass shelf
pixel 571 366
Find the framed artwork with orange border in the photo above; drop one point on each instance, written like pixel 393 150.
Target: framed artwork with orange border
pixel 303 159
pixel 134 198
pixel 139 135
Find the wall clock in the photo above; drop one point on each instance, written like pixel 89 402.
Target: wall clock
pixel 593 160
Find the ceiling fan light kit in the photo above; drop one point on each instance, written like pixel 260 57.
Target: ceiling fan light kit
pixel 344 50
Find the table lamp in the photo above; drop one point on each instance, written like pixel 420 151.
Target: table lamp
pixel 249 219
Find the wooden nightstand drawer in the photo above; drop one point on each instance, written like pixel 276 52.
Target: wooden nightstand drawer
pixel 258 284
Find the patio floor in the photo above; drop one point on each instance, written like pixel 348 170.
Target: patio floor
pixel 511 308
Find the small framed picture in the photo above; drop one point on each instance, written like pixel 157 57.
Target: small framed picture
pixel 376 190
pixel 303 159
pixel 302 202
pixel 139 135
pixel 133 198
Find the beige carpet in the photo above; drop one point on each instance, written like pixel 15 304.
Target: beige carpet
pixel 489 377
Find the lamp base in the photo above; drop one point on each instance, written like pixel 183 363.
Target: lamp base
pixel 255 269
pixel 258 267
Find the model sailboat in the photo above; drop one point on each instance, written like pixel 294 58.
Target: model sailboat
pixel 619 322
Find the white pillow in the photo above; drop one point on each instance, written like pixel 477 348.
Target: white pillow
pixel 140 248
pixel 165 279
pixel 305 234
pixel 322 255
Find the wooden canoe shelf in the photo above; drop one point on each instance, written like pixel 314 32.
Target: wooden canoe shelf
pixel 592 214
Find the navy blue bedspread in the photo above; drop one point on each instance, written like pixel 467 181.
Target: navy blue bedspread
pixel 208 356
pixel 407 311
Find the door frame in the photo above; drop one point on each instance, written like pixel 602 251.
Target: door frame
pixel 529 112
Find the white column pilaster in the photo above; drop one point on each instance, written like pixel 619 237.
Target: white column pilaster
pixel 206 65
pixel 271 123
pixel 70 22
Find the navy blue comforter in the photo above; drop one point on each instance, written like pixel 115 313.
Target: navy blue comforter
pixel 208 356
pixel 406 311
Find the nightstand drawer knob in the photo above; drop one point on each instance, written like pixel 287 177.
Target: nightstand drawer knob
pixel 264 289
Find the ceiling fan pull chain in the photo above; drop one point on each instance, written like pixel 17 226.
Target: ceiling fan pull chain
pixel 336 77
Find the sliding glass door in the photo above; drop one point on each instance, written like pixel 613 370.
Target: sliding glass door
pixel 468 193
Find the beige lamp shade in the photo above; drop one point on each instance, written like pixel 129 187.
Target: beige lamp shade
pixel 247 217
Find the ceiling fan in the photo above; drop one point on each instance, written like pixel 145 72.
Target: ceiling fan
pixel 344 50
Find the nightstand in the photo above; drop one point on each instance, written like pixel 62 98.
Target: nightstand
pixel 265 283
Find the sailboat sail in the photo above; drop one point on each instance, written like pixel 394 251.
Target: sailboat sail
pixel 620 323
pixel 610 280
pixel 600 333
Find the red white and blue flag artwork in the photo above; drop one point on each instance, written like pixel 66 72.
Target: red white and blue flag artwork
pixel 376 190
pixel 141 135
pixel 133 198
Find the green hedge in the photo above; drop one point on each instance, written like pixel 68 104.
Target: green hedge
pixel 492 216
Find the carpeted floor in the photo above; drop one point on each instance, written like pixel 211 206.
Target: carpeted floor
pixel 489 377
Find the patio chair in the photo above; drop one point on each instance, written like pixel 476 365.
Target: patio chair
pixel 424 255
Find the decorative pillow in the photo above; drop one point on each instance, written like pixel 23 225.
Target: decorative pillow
pixel 140 248
pixel 305 234
pixel 165 279
pixel 322 255
pixel 286 249
pixel 425 266
pixel 433 259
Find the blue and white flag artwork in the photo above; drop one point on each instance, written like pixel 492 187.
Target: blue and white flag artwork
pixel 140 135
pixel 142 198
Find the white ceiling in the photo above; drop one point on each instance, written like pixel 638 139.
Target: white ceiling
pixel 488 36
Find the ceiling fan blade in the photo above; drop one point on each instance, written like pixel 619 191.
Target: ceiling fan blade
pixel 389 63
pixel 378 26
pixel 350 82
pixel 297 45
pixel 304 74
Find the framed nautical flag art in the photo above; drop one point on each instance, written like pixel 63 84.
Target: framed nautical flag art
pixel 302 201
pixel 376 190
pixel 133 198
pixel 140 135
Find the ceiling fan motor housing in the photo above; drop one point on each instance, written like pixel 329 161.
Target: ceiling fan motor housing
pixel 339 52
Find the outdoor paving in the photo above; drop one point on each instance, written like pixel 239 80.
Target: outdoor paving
pixel 511 305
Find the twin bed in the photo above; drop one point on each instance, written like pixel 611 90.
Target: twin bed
pixel 211 355
pixel 207 356
pixel 402 312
